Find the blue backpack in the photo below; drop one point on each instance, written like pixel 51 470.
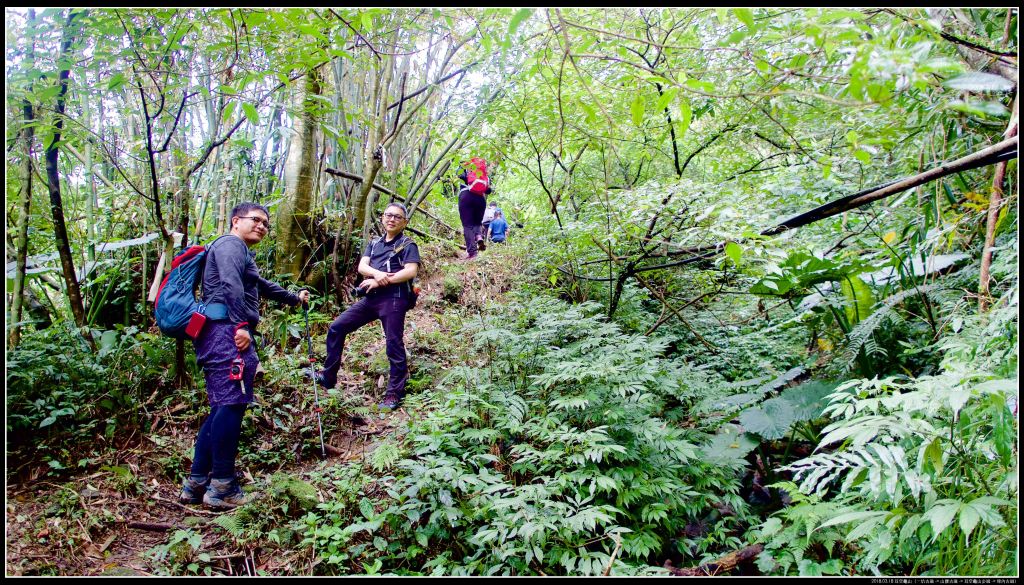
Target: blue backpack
pixel 178 312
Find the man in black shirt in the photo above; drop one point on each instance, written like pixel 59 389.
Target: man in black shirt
pixel 389 264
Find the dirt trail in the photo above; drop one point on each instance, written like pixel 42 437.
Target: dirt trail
pixel 94 524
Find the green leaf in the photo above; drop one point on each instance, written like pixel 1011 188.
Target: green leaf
pixel 809 399
pixel 367 20
pixel 941 65
pixel 734 38
pixel 636 109
pixel 591 114
pixel 941 515
pixel 107 342
pixel 686 116
pixel 771 420
pixel 116 81
pixel 700 85
pixel 933 454
pixel 978 81
pixel 366 508
pixel 518 19
pixel 857 516
pixel 831 16
pixel 860 298
pixel 228 110
pixel 734 252
pixel 729 447
pixel 746 16
pixel 666 98
pixel 980 108
pixel 251 113
pixel 969 518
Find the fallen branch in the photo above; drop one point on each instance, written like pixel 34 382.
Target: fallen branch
pixel 722 565
pixel 676 312
pixel 996 153
pixel 184 507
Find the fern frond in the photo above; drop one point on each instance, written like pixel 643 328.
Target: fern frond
pixel 861 335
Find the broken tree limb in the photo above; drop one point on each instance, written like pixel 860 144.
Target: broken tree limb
pixel 722 565
pixel 676 312
pixel 386 191
pixel 996 153
pixel 432 237
pixel 358 179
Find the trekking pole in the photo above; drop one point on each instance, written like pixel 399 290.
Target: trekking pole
pixel 312 372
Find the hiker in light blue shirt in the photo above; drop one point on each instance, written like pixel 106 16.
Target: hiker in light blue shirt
pixel 498 229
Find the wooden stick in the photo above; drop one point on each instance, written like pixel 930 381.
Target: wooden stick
pixel 154 526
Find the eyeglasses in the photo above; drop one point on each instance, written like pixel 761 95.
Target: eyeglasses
pixel 265 222
pixel 389 215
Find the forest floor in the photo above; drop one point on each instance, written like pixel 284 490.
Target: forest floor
pixel 122 518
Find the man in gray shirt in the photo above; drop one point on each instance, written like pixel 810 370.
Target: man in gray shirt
pixel 232 279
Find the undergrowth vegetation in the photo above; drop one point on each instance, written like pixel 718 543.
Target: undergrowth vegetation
pixel 756 312
pixel 554 455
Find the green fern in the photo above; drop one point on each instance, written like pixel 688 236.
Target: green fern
pixel 230 523
pixel 920 466
pixel 860 337
pixel 385 455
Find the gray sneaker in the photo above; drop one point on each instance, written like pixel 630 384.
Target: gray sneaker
pixel 192 490
pixel 224 494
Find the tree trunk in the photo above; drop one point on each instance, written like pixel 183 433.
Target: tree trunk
pixel 90 200
pixel 26 201
pixel 362 206
pixel 53 178
pixel 994 204
pixel 293 216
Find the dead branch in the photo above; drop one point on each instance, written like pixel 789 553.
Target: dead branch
pixel 722 565
pixel 154 526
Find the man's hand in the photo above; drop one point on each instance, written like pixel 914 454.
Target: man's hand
pixel 242 339
pixel 368 284
pixel 383 279
pixel 303 296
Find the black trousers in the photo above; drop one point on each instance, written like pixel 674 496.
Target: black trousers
pixel 391 312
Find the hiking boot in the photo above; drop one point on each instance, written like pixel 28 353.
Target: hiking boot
pixel 481 245
pixel 192 490
pixel 224 494
pixel 390 402
pixel 318 377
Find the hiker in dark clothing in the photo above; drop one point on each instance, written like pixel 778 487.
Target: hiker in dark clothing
pixel 471 214
pixel 230 278
pixel 389 264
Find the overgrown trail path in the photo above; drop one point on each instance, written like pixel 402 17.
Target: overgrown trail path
pixel 123 518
